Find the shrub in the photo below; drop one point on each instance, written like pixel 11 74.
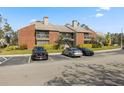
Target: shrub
pixel 85 45
pixel 96 45
pixel 9 48
pixel 115 45
pixel 24 46
pixel 49 46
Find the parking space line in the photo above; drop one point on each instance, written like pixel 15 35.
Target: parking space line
pixel 29 60
pixel 6 60
pixel 3 61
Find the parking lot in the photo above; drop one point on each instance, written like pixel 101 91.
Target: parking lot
pixel 19 60
pixel 104 68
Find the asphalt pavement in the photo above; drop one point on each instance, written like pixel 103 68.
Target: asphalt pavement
pixel 19 60
pixel 104 68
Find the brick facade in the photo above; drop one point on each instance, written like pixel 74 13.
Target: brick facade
pixel 79 38
pixel 53 37
pixel 94 35
pixel 26 36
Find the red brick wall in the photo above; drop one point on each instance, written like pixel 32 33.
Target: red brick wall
pixel 53 37
pixel 79 38
pixel 27 36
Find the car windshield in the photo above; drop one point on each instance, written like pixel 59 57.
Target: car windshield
pixel 39 49
pixel 87 49
pixel 75 49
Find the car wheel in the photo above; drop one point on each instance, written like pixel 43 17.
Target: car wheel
pixel 32 59
pixel 84 54
pixel 47 58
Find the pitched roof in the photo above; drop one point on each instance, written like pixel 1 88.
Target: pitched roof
pixel 79 29
pixel 39 25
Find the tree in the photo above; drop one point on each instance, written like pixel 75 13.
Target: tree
pixel 86 27
pixel 7 29
pixel 63 41
pixel 0 21
pixel 108 39
pixel 14 39
pixel 1 34
pixel 100 38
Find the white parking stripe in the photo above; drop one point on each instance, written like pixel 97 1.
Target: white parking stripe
pixel 29 60
pixel 6 60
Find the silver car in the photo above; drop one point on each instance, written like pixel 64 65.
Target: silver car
pixel 72 52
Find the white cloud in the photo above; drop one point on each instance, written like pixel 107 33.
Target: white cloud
pixel 99 15
pixel 103 8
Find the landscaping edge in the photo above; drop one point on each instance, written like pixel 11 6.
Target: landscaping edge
pixel 98 51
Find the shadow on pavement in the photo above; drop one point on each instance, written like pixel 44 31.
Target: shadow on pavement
pixel 90 75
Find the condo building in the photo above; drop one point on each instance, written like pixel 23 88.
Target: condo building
pixel 44 32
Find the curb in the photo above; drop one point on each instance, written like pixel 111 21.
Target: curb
pixel 107 50
pixel 59 53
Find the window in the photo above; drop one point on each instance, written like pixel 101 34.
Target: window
pixel 87 36
pixel 39 42
pixel 42 34
pixel 67 35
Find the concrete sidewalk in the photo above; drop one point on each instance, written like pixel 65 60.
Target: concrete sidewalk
pixel 108 50
pixel 100 51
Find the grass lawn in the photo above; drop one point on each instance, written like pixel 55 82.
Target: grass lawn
pixel 12 52
pixel 105 48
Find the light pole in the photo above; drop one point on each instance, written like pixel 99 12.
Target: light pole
pixel 121 37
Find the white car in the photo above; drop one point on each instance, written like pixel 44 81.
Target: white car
pixel 72 52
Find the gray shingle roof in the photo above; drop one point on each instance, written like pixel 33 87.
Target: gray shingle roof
pixel 39 25
pixel 78 29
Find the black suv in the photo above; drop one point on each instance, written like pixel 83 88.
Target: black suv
pixel 39 53
pixel 87 52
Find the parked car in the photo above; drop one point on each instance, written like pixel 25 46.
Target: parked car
pixel 72 52
pixel 87 52
pixel 39 53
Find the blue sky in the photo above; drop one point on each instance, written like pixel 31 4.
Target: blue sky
pixel 101 19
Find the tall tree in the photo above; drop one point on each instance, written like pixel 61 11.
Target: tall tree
pixel 86 27
pixel 14 39
pixel 1 32
pixel 7 32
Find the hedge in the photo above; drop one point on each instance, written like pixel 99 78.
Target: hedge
pixel 49 46
pixel 96 45
pixel 85 45
pixel 9 48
